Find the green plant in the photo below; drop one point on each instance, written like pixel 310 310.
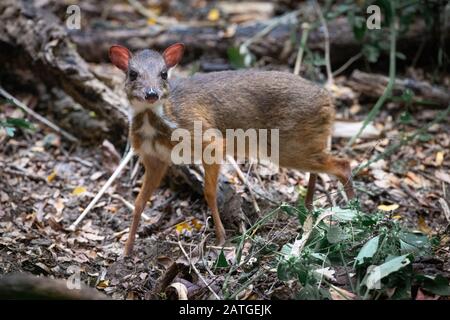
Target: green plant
pixel 10 125
pixel 373 250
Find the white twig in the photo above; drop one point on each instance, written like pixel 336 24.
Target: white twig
pixel 37 116
pixel 445 208
pixel 327 43
pixel 103 189
pixel 129 205
pixel 197 272
pixel 244 181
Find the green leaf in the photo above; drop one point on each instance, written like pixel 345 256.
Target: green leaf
pixel 359 27
pixel 10 131
pixel 343 215
pixel 405 117
pixel 284 271
pixel 368 250
pixel 221 261
pixel 400 56
pixel 425 137
pixel 308 292
pixel 436 285
pixel 374 276
pixel 335 234
pixel 19 123
pixel 237 60
pixel 415 243
pixel 372 53
pixel 407 95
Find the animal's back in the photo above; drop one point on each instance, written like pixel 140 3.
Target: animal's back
pixel 252 99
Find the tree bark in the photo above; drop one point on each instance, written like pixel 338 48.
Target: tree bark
pixel 37 39
pixel 93 43
pixel 373 85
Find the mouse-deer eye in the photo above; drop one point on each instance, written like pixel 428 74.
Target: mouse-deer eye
pixel 164 75
pixel 133 75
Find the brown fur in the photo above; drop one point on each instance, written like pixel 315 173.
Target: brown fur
pixel 302 111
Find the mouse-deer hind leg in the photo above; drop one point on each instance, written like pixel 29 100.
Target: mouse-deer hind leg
pixel 155 170
pixel 341 169
pixel 326 163
pixel 310 191
pixel 212 172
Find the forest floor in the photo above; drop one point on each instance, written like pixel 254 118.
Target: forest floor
pixel 46 183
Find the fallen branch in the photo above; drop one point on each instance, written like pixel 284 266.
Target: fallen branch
pixel 103 189
pixel 37 116
pixel 196 271
pixel 34 40
pixel 371 85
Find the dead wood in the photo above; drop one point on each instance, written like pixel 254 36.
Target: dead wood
pixel 38 39
pixel 373 85
pixel 93 43
pixel 24 286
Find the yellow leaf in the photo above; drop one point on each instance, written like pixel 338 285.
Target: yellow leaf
pixel 213 14
pixel 51 176
pixel 198 225
pixel 422 225
pixel 439 158
pixel 102 284
pixel 183 228
pixel 397 217
pixel 151 21
pixel 388 207
pixel 78 190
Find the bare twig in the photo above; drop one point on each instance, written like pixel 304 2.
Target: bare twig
pixel 148 13
pixel 21 172
pixel 103 189
pixel 347 64
pixel 195 245
pixel 37 116
pixel 445 208
pixel 244 181
pixel 327 43
pixel 196 271
pixel 129 205
pixel 388 90
pixel 301 48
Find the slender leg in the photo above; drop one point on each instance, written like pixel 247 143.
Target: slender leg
pixel 155 170
pixel 211 175
pixel 310 191
pixel 326 163
pixel 342 170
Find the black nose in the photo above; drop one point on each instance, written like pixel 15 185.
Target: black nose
pixel 151 94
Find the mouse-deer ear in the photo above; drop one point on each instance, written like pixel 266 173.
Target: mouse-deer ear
pixel 173 54
pixel 119 56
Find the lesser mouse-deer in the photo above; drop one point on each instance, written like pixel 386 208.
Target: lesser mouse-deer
pixel 302 112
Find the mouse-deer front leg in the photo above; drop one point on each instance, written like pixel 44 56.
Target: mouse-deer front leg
pixel 155 170
pixel 212 172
